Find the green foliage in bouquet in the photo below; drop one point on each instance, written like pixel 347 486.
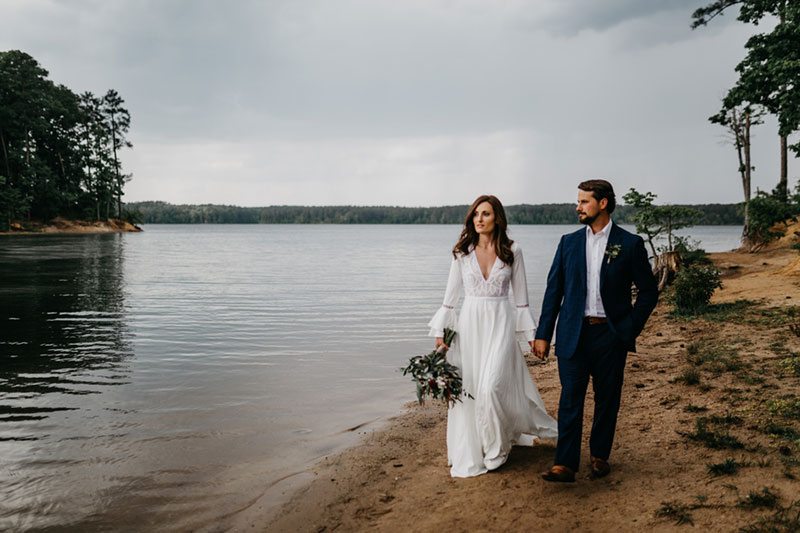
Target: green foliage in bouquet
pixel 434 376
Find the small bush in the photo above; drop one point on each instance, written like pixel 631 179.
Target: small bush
pixel 694 286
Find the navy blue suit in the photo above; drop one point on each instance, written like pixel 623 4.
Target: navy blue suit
pixel 598 351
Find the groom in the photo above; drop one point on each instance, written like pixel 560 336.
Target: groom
pixel 589 290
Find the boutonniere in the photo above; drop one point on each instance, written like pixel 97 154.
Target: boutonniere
pixel 612 251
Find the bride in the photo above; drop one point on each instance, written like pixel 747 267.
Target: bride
pixel 505 408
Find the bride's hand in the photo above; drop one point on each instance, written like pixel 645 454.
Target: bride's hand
pixel 440 342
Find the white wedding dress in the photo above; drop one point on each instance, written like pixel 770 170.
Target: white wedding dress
pixel 506 408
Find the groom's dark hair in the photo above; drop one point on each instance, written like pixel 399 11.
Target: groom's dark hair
pixel 600 189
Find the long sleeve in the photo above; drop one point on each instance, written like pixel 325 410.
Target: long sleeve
pixel 446 316
pixel 526 326
pixel 553 295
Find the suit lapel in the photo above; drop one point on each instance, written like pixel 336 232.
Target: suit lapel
pixel 614 238
pixel 581 255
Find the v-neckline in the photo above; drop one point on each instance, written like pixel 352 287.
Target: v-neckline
pixel 478 265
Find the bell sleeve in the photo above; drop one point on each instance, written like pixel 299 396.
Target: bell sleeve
pixel 446 316
pixel 526 326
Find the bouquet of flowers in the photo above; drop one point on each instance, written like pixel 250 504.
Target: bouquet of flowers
pixel 434 376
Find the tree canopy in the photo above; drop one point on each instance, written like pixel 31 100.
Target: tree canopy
pixel 58 150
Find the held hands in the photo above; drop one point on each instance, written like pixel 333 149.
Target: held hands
pixel 541 348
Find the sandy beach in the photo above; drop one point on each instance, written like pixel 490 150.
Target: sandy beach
pixel 65 226
pixel 709 435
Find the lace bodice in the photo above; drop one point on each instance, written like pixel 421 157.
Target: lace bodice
pixel 466 279
pixel 474 283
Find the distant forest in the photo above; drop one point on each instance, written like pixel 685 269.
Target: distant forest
pixel 164 213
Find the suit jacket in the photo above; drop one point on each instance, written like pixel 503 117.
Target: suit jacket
pixel 565 296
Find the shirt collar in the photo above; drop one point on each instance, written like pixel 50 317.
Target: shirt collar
pixel 602 233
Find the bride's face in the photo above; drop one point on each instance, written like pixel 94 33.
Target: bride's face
pixel 483 219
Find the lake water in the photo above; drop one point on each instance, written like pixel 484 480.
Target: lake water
pixel 182 376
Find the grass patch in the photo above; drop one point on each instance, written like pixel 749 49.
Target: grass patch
pixel 784 432
pixel 785 519
pixel 763 499
pixel 785 407
pixel 778 346
pixel 712 438
pixel 677 512
pixel 691 408
pixel 751 379
pixel 670 401
pixel 725 420
pixel 790 365
pixel 690 376
pixel 728 467
pixel 714 358
pixel 722 312
pixel 775 316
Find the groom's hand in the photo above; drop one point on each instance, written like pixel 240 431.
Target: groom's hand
pixel 541 348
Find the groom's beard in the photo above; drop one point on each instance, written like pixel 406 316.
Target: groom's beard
pixel 586 219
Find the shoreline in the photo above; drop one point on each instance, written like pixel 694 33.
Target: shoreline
pixel 62 226
pixel 398 474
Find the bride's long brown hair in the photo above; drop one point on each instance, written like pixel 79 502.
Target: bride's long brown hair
pixel 469 235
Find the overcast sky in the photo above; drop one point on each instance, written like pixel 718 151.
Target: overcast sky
pixel 402 102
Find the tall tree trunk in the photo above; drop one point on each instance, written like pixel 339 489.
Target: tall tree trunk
pixel 737 128
pixel 118 187
pixel 5 154
pixel 748 172
pixel 783 183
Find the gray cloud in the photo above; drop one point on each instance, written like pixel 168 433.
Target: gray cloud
pixel 400 102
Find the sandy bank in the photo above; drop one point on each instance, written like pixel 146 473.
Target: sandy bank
pixel 61 225
pixel 720 389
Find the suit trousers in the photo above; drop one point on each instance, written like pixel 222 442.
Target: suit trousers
pixel 601 356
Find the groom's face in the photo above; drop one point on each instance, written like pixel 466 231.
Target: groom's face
pixel 588 207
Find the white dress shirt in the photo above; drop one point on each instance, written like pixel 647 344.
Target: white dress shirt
pixel 595 253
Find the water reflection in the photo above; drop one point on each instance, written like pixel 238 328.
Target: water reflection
pixel 63 336
pixel 62 313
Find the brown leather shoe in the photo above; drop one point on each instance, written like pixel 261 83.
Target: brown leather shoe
pixel 600 468
pixel 559 473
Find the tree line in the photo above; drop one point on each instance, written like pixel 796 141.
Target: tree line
pixel 59 151
pixel 165 213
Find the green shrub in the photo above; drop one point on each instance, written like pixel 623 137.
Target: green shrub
pixel 690 252
pixel 766 210
pixel 694 286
